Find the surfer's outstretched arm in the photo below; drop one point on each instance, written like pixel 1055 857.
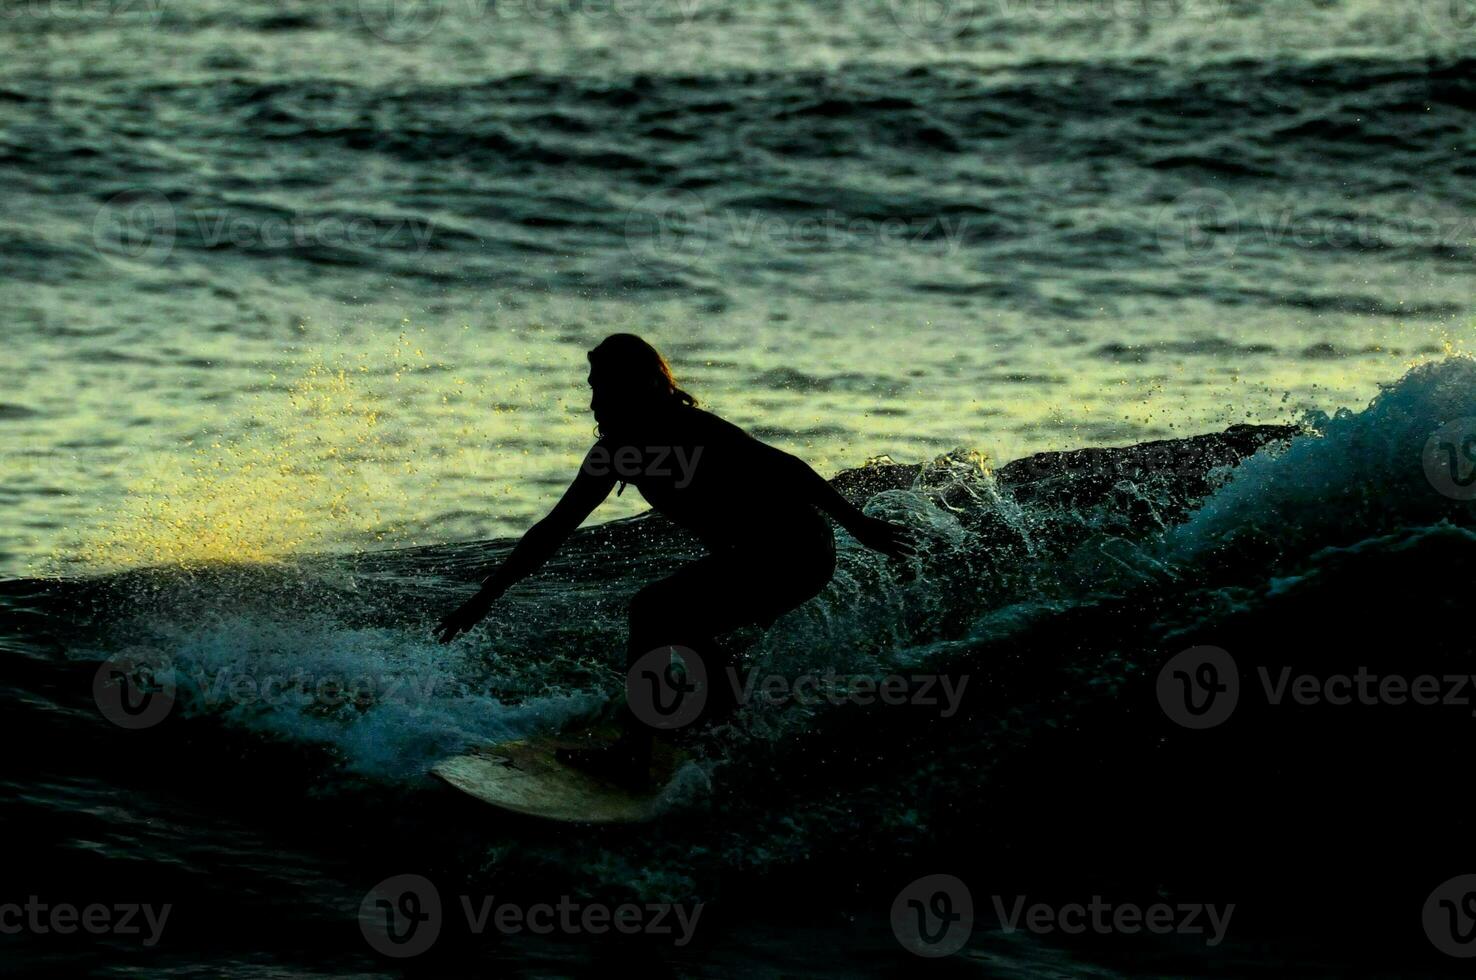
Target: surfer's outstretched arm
pixel 790 474
pixel 537 546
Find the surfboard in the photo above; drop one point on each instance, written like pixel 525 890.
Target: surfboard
pixel 525 777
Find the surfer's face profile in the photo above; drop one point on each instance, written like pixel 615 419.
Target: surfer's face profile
pixel 614 401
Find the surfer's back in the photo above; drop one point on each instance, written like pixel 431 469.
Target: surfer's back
pixel 710 476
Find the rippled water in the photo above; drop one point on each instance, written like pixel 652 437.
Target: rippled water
pixel 855 228
pixel 287 278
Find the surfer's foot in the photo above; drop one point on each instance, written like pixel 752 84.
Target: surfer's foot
pixel 627 763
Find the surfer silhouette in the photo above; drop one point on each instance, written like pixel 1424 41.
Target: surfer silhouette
pixel 757 509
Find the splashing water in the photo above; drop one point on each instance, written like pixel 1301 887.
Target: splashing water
pixel 314 466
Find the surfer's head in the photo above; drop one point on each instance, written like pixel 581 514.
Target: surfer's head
pixel 629 380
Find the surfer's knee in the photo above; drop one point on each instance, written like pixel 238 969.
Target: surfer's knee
pixel 651 619
pixel 662 615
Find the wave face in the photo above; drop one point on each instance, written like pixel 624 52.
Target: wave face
pixel 883 227
pixel 1057 586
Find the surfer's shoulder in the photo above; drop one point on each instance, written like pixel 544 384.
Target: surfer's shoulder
pixel 714 426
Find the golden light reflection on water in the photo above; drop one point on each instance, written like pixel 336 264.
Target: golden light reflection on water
pixel 455 434
pixel 312 468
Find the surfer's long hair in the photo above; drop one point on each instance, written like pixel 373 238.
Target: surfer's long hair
pixel 642 371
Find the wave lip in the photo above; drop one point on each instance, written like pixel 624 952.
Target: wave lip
pixel 1354 475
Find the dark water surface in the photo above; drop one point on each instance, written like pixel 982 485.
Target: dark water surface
pixel 858 228
pixel 298 297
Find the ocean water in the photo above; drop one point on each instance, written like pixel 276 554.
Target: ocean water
pixel 299 296
pixel 858 229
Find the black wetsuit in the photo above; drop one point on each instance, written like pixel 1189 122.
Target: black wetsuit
pixel 767 554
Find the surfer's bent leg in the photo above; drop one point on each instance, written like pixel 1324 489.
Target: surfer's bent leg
pixel 699 603
pixel 724 592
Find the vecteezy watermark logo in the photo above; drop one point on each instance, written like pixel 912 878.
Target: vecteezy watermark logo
pixel 633 462
pixel 1366 688
pixel 933 916
pixel 135 688
pixel 1204 227
pixel 123 919
pixel 78 10
pixel 667 687
pixel 1199 687
pixel 935 21
pixel 667 228
pixel 1449 459
pixel 234 686
pixel 922 690
pixel 135 226
pixel 145 226
pixel 400 21
pixel 1456 18
pixel 1199 227
pixel 572 918
pixel 1106 918
pixel 401 916
pixel 1449 917
pixel 945 20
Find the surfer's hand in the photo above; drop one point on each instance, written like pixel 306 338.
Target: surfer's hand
pixel 892 540
pixel 463 617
